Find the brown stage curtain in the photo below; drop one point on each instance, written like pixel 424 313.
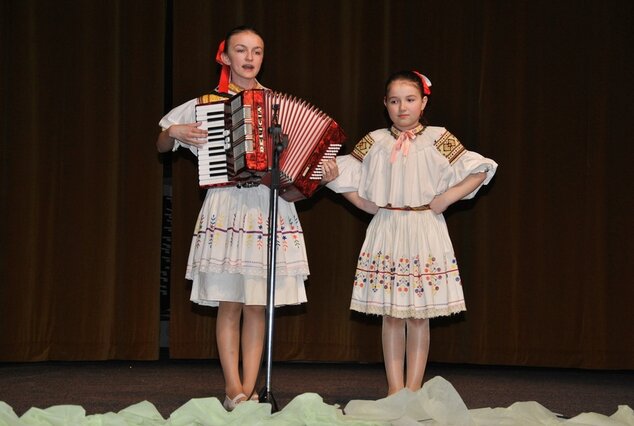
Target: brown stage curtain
pixel 542 87
pixel 82 90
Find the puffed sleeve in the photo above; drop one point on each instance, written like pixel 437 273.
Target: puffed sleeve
pixel 182 114
pixel 349 175
pixel 463 163
pixel 469 163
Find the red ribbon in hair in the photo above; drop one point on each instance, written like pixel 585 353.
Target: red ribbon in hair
pixel 425 81
pixel 223 84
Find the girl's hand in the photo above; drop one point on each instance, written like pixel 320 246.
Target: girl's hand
pixel 331 171
pixel 189 134
pixel 439 204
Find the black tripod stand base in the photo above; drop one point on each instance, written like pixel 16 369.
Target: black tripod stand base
pixel 266 396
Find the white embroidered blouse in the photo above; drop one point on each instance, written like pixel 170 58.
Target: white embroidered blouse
pixel 436 161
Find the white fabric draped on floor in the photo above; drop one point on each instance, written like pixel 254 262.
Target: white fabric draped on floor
pixel 437 403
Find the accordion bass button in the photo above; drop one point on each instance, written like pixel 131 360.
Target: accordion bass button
pixel 227 138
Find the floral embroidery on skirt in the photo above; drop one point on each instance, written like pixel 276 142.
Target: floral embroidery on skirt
pixel 229 249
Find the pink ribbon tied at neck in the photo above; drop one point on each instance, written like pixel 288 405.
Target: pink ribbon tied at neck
pixel 404 140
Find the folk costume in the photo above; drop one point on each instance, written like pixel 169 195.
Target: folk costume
pixel 228 254
pixel 407 267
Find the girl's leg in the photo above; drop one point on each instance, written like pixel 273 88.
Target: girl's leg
pixel 417 351
pixel 228 341
pixel 393 335
pixel 252 345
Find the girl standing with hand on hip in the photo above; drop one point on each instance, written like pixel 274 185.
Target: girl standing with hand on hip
pixel 407 272
pixel 228 255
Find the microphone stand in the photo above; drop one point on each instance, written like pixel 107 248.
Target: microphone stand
pixel 280 142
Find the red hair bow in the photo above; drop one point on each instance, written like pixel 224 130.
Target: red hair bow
pixel 425 81
pixel 223 84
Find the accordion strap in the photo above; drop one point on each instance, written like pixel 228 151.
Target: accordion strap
pixel 214 96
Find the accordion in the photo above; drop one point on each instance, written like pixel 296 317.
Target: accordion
pixel 239 148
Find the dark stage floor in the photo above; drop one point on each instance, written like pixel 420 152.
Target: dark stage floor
pixel 101 387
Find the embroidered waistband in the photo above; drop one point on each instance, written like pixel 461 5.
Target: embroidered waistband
pixel 407 208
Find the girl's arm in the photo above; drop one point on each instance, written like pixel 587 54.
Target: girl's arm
pixel 440 202
pixel 361 203
pixel 331 172
pixel 187 133
pixel 165 142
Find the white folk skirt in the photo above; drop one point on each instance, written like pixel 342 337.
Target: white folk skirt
pixel 228 254
pixel 407 267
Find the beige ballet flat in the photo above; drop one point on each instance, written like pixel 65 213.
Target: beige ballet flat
pixel 230 404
